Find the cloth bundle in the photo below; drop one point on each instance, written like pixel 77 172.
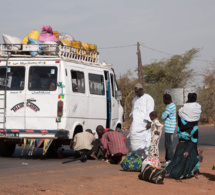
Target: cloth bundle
pixel 152 174
pixel 47 34
pixel 151 160
pixel 132 162
pixel 190 111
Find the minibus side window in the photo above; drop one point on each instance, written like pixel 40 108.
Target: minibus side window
pixel 96 84
pixel 78 82
pixel 15 78
pixel 42 78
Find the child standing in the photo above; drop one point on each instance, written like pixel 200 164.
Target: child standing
pixel 156 134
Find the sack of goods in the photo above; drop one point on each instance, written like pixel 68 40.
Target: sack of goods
pixel 12 40
pixel 152 174
pixel 33 34
pixel 151 160
pixel 132 162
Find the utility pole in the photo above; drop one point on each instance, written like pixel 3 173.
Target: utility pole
pixel 140 66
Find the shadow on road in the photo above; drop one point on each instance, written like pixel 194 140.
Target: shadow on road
pixel 210 177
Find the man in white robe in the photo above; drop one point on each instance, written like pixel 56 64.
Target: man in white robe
pixel 140 130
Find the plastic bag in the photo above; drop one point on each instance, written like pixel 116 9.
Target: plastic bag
pixel 93 48
pixel 47 37
pixel 56 34
pixel 34 35
pixel 34 41
pixel 66 42
pixel 12 40
pixel 47 29
pixel 66 36
pixel 76 44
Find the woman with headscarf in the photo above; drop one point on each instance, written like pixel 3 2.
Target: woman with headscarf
pixel 186 160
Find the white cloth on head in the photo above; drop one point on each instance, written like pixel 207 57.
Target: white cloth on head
pixel 140 137
pixel 190 111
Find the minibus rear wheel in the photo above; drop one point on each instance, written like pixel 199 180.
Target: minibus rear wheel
pixel 6 148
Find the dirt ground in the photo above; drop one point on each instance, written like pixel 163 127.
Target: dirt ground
pixel 95 177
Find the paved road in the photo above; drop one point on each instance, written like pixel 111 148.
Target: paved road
pixel 38 163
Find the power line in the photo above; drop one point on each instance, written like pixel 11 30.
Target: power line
pixel 115 47
pixel 142 45
pixel 201 60
pixel 156 50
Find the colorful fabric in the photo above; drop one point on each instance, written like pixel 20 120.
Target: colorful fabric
pixel 31 147
pixel 169 116
pixel 113 143
pixel 152 160
pixel 156 135
pixel 185 161
pixel 187 131
pixel 132 162
pixel 47 144
pixel 23 149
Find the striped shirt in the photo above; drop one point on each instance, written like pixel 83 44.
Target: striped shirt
pixel 169 116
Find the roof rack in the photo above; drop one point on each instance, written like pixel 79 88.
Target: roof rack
pixel 50 50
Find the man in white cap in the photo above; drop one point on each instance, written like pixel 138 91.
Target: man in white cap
pixel 140 130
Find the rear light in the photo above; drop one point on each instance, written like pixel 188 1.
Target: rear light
pixel 57 62
pixel 60 109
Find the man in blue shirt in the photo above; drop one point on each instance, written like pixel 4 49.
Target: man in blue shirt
pixel 169 117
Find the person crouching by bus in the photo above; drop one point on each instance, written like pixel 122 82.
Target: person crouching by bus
pixel 83 143
pixel 113 145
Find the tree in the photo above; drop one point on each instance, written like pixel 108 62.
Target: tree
pixel 126 83
pixel 207 97
pixel 159 75
pixel 168 73
pixel 174 72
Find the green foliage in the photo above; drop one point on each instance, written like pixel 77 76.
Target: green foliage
pixel 173 72
pixel 158 76
pixel 167 73
pixel 126 83
pixel 207 97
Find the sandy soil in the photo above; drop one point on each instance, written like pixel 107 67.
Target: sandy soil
pixel 95 177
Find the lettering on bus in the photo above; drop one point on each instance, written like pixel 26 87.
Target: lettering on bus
pixel 33 106
pixel 18 106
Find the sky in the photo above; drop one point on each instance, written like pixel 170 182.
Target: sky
pixel 163 27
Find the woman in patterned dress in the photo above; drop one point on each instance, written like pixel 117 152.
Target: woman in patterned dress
pixel 186 160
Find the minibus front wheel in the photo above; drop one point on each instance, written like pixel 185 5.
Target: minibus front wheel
pixel 6 148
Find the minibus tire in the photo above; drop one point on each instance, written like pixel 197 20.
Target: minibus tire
pixel 7 149
pixel 53 149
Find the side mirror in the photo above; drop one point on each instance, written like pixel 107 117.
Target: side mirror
pixel 118 95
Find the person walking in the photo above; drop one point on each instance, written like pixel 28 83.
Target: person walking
pixel 140 130
pixel 169 117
